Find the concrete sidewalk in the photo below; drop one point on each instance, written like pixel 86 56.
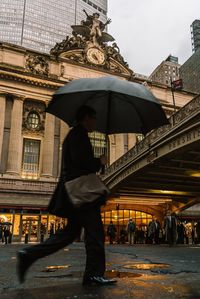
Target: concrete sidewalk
pixel 143 271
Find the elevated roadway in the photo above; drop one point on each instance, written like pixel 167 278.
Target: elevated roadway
pixel 163 170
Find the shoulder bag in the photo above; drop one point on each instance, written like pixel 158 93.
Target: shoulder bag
pixel 86 189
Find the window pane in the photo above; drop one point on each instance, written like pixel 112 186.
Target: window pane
pixel 99 143
pixel 30 160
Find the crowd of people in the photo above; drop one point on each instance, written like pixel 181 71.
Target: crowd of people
pixel 171 231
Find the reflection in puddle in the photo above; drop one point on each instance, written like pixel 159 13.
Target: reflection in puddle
pixel 141 266
pixel 119 274
pixel 54 268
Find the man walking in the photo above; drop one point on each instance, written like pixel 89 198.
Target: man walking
pixel 170 225
pixel 111 232
pixel 131 231
pixel 154 229
pixel 77 160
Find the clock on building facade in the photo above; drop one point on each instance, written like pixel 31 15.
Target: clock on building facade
pixel 95 56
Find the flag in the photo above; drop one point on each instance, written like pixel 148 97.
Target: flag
pixel 177 84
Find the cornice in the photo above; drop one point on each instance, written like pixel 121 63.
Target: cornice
pixel 33 80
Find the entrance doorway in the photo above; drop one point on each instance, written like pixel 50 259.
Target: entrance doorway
pixel 30 228
pixel 120 218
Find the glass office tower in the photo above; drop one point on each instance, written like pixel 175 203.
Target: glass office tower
pixel 39 24
pixel 195 35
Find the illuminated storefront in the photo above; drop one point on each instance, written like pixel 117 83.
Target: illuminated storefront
pixel 35 224
pixel 32 224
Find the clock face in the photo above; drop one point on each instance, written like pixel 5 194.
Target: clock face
pixel 95 56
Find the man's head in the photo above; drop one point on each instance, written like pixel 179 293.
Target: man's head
pixel 87 117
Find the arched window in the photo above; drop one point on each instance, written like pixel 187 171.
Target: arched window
pixel 120 218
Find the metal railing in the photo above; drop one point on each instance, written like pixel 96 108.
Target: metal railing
pixel 181 117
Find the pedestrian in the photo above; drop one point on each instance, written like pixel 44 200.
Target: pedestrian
pixel 111 232
pixel 195 234
pixel 6 234
pixel 52 230
pixel 77 160
pixel 1 233
pixel 141 236
pixel 198 232
pixel 180 233
pixel 170 225
pixel 122 236
pixel 42 232
pixel 131 231
pixel 154 229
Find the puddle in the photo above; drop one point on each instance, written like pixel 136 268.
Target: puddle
pixel 142 266
pixel 120 274
pixel 54 268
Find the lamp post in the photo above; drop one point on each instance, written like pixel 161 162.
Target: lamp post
pixel 175 85
pixel 117 208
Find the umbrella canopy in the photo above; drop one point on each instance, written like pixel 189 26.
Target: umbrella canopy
pixel 121 106
pixel 6 223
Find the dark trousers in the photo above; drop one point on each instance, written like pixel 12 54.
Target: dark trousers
pixel 90 220
pixel 156 236
pixel 171 236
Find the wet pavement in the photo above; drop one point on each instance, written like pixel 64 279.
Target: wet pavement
pixel 142 271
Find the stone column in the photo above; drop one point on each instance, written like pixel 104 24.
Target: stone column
pixel 64 129
pixel 119 145
pixel 112 146
pixel 15 140
pixel 2 119
pixel 48 147
pixel 131 140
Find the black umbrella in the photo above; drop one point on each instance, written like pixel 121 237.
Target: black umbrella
pixel 5 223
pixel 121 106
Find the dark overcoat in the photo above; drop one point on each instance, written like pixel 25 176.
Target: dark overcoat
pixel 77 159
pixel 170 228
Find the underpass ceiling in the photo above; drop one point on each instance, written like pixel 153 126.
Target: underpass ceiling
pixel 174 177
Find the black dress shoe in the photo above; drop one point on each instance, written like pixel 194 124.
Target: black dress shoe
pixel 98 280
pixel 23 263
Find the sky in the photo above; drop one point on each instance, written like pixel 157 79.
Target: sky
pixel 148 31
